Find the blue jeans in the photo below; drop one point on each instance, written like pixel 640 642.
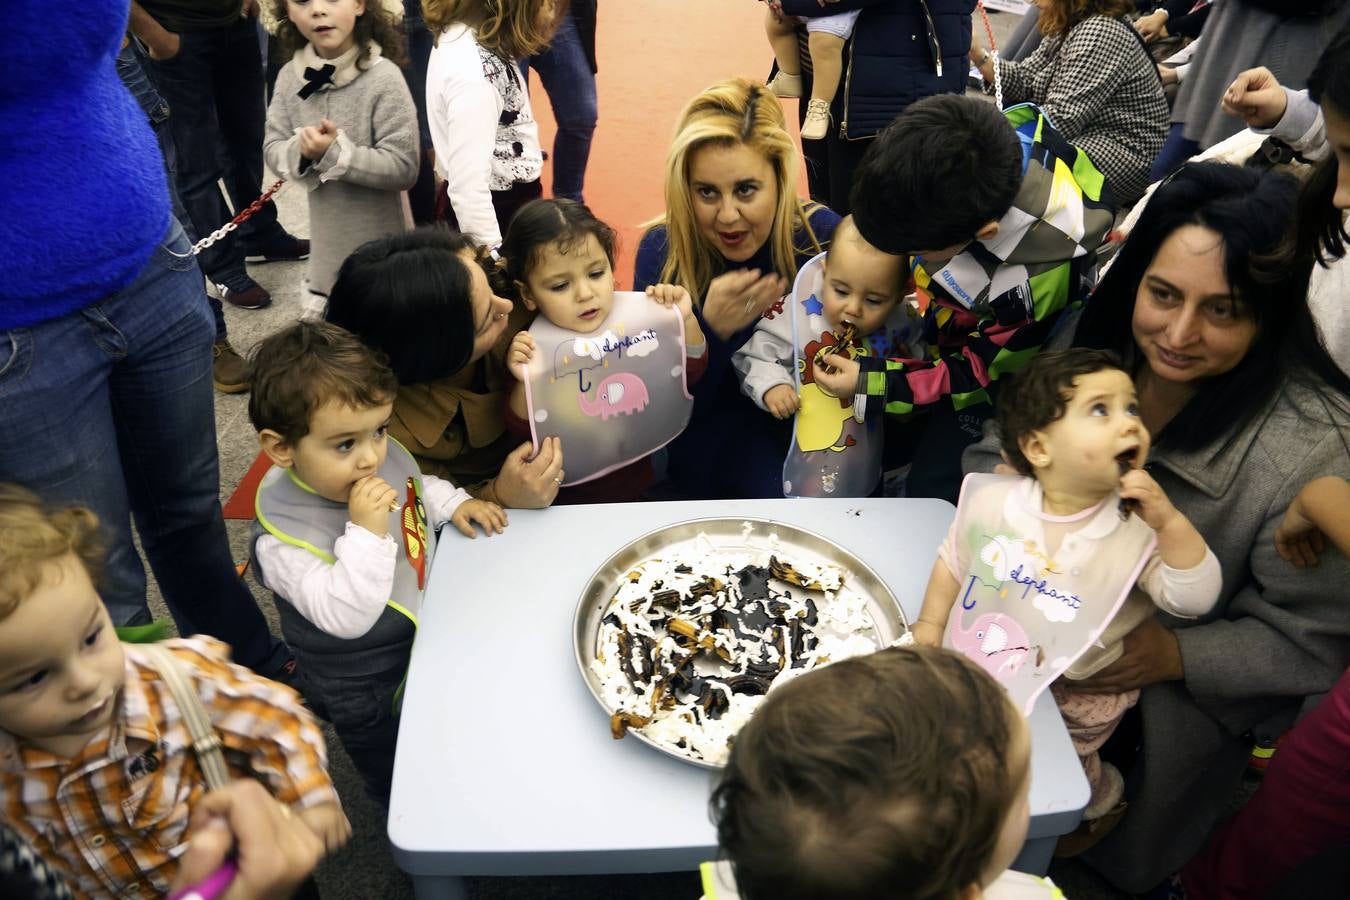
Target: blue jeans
pixel 567 76
pixel 156 109
pixel 215 91
pixel 112 407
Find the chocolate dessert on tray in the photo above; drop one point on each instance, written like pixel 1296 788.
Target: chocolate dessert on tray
pixel 681 633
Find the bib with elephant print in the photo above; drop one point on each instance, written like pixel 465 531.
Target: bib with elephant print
pixel 614 395
pixel 1024 614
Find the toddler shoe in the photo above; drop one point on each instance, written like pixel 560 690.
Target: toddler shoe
pixel 817 123
pixel 785 85
pixel 229 372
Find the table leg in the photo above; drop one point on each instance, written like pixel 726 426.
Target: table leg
pixel 439 887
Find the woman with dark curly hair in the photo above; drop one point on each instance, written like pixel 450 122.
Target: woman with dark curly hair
pixel 1093 78
pixel 343 124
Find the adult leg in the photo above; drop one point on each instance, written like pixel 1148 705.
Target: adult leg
pixel 566 74
pixel 57 438
pixel 844 157
pixel 164 419
pixel 188 84
pixel 237 82
pixel 422 195
pixel 1302 808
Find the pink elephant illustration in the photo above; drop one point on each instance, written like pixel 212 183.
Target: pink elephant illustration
pixel 622 392
pixel 996 643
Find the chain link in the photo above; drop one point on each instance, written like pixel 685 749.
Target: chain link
pixel 247 213
pixel 993 56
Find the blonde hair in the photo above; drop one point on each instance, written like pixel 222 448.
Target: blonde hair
pixel 512 29
pixel 33 536
pixel 732 112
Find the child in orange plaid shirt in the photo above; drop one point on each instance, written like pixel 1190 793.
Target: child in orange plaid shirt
pixel 97 769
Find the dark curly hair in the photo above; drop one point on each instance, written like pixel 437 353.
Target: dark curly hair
pixel 375 25
pixel 1038 395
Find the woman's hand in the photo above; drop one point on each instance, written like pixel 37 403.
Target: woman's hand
pixel 525 483
pixel 843 381
pixel 1151 654
pixel 486 513
pixel 520 352
pixel 1256 96
pixel 736 299
pixel 1152 27
pixel 782 401
pixel 1168 75
pixel 274 849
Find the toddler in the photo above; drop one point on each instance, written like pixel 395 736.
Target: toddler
pixel 905 773
pixel 860 289
pixel 825 37
pixel 478 109
pixel 1063 537
pixel 343 124
pixel 97 767
pixel 560 258
pixel 346 531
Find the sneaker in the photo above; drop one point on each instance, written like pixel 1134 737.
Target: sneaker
pixel 785 85
pixel 817 123
pixel 229 372
pixel 282 248
pixel 242 291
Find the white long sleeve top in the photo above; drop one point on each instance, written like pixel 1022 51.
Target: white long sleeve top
pixel 345 599
pixel 482 128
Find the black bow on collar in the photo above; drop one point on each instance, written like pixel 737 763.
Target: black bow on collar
pixel 317 78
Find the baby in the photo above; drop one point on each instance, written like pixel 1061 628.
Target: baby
pixel 860 289
pixel 97 766
pixel 346 530
pixel 1070 425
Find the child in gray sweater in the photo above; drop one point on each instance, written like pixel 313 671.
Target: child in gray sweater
pixel 343 124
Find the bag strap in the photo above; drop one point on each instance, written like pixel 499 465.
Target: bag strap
pixel 205 741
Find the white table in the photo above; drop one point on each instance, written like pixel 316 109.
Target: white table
pixel 505 764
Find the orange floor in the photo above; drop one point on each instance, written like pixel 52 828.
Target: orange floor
pixel 685 45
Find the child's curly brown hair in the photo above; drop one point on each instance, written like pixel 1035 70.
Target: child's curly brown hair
pixel 376 24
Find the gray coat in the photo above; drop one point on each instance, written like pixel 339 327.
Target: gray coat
pixel 356 189
pixel 1278 637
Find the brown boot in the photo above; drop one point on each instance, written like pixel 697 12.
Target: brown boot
pixel 229 372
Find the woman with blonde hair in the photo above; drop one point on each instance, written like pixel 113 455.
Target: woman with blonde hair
pixel 734 235
pixel 1093 77
pixel 478 109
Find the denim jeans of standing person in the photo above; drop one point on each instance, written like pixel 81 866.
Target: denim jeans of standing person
pixel 215 91
pixel 130 68
pixel 112 407
pixel 567 77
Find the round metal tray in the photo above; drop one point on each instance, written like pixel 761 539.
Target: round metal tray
pixel 741 533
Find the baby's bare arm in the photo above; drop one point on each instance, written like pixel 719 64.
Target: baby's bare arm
pixel 938 600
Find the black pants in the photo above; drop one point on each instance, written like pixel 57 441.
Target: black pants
pixel 504 203
pixel 361 711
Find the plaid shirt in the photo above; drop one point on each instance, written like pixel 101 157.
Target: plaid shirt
pixel 114 818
